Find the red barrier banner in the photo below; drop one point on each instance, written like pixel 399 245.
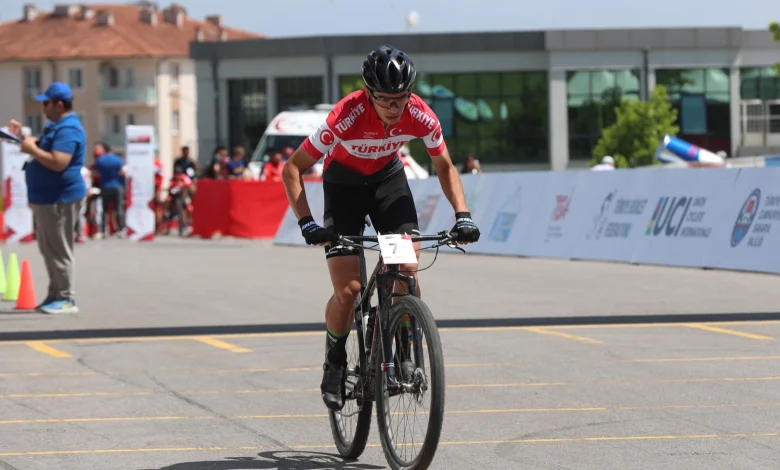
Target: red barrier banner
pixel 244 209
pixel 256 208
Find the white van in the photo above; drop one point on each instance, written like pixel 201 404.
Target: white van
pixel 290 128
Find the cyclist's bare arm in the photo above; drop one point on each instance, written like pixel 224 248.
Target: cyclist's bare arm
pixel 292 176
pixel 449 178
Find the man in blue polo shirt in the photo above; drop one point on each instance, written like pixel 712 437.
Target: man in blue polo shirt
pixel 55 190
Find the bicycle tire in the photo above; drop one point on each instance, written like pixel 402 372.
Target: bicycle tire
pixel 354 448
pixel 423 315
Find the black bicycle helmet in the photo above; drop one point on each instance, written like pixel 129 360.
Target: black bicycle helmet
pixel 388 70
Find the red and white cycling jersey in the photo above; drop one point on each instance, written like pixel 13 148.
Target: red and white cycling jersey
pixel 353 138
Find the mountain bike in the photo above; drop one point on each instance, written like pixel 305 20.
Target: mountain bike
pixel 386 359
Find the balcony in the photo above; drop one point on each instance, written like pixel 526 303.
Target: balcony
pixel 115 140
pixel 134 96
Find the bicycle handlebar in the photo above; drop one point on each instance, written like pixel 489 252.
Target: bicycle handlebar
pixel 442 238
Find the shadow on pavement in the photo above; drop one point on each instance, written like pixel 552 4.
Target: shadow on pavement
pixel 44 335
pixel 275 459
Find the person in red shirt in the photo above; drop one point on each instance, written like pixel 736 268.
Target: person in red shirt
pixel 363 176
pixel 272 170
pixel 159 176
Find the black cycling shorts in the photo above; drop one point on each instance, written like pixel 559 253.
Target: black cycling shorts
pixel 389 204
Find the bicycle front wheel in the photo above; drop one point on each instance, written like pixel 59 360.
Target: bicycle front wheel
pixel 419 366
pixel 351 425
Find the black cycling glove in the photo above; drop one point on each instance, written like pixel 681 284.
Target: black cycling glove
pixel 313 233
pixel 465 229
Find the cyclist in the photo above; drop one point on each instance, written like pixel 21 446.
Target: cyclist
pixel 362 176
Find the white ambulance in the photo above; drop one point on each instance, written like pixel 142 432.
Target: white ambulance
pixel 290 128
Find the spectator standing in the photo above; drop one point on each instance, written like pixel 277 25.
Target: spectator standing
pixel 236 167
pixel 272 170
pixel 55 190
pixel 607 164
pixel 185 164
pixel 110 168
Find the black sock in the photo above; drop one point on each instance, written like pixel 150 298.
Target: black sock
pixel 337 347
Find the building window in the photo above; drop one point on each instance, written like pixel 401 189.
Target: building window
pixel 131 119
pixel 175 121
pixel 701 97
pixel 116 124
pixel 129 77
pixel 35 123
pixel 75 77
pixel 248 115
pixel 32 81
pixel 175 75
pixel 300 91
pixel 760 107
pixel 496 117
pixel 592 97
pixel 112 77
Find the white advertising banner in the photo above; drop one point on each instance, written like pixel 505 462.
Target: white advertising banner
pixel 688 208
pixel 559 214
pixel 17 215
pixel 505 214
pixel 616 208
pixel 139 182
pixel 749 231
pixel 705 217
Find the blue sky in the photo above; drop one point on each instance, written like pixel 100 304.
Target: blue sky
pixel 330 17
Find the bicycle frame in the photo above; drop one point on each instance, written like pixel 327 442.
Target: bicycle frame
pixel 379 281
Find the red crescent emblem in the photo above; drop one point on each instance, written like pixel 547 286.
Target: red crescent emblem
pixel 326 137
pixel 437 135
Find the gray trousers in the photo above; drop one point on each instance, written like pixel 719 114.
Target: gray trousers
pixel 54 226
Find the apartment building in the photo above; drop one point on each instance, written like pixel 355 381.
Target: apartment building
pixel 126 63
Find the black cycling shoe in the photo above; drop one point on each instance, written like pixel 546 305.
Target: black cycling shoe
pixel 332 387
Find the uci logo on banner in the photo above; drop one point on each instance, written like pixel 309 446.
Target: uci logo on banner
pixel 673 215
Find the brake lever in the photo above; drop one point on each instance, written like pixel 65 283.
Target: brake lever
pixel 456 247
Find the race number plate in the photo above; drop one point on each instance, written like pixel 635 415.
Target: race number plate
pixel 397 249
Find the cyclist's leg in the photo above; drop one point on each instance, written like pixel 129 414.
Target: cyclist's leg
pixel 394 212
pixel 344 214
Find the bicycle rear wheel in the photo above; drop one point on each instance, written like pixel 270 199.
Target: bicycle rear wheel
pixel 351 425
pixel 419 381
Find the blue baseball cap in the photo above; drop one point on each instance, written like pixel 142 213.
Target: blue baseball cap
pixel 56 91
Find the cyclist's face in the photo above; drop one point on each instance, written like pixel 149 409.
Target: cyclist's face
pixel 389 107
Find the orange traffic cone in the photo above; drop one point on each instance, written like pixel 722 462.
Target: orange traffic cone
pixel 26 300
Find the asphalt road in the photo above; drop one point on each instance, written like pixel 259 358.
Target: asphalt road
pixel 625 397
pixel 176 282
pixel 628 395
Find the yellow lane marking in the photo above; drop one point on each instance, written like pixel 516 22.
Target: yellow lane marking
pixel 702 359
pixel 221 344
pixel 445 443
pixel 317 333
pixel 454 412
pixel 558 334
pixel 726 331
pixel 650 360
pixel 46 349
pixel 666 325
pixel 452 386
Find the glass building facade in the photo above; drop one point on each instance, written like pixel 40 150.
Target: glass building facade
pixel 496 117
pixel 247 112
pixel 592 96
pixel 701 97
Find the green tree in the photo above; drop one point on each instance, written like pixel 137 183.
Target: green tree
pixel 638 129
pixel 774 28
